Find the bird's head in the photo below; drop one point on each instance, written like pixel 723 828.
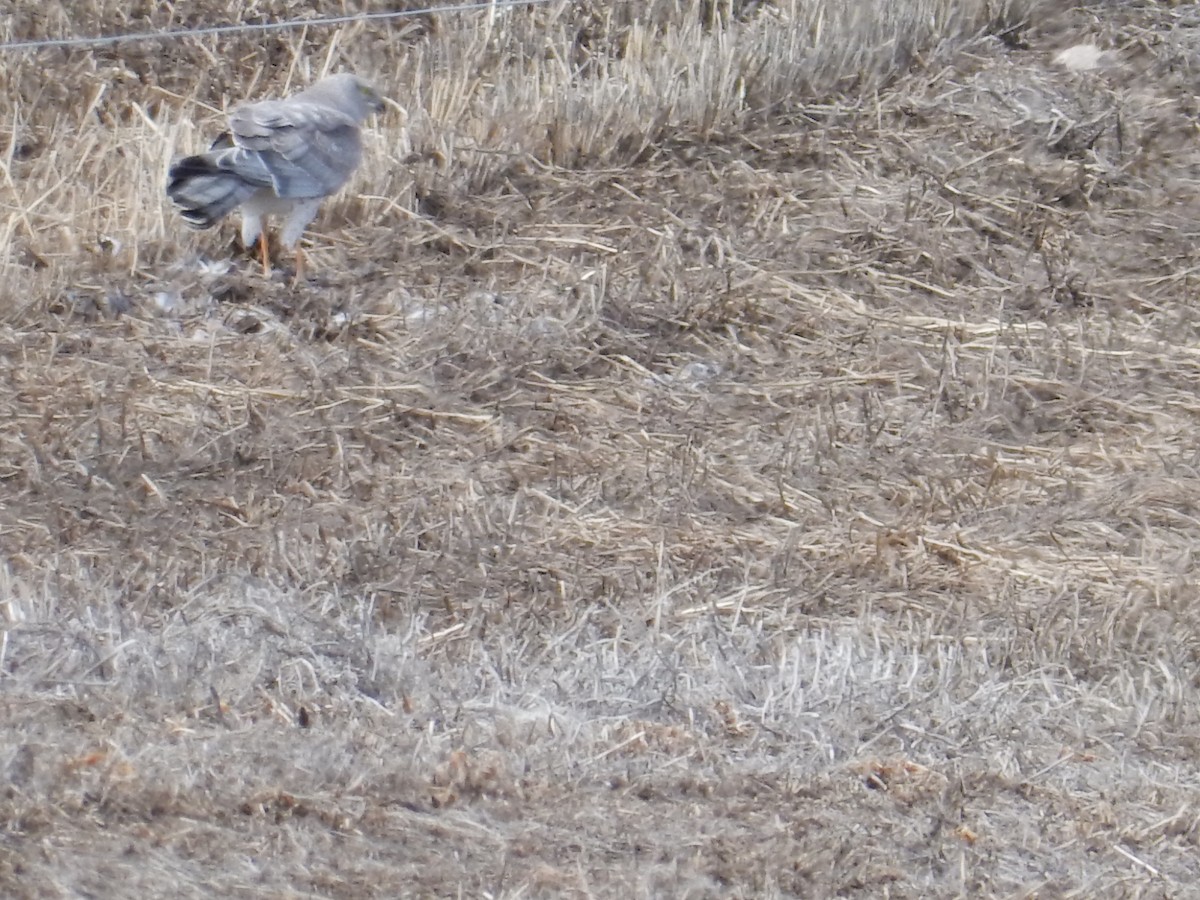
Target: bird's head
pixel 370 96
pixel 350 93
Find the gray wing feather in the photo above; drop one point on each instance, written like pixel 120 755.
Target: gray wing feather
pixel 299 148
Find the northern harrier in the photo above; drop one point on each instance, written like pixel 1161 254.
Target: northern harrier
pixel 279 157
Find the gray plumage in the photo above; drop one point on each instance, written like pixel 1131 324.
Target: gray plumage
pixel 279 157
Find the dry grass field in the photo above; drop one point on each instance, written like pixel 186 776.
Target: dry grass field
pixel 722 449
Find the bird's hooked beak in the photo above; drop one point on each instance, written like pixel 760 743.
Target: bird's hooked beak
pixel 370 95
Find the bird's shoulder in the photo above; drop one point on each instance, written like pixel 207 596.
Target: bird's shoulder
pixel 266 124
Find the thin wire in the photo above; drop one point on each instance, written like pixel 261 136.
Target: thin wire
pixel 172 34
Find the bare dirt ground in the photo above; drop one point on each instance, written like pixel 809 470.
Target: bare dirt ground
pixel 737 450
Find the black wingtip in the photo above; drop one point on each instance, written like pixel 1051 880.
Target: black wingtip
pixel 189 167
pixel 195 218
pixel 195 215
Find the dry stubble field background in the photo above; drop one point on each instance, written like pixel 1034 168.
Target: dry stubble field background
pixel 725 449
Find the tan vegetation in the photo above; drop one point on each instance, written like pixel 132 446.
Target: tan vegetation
pixel 728 449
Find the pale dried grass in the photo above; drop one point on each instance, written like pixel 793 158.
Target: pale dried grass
pixel 774 487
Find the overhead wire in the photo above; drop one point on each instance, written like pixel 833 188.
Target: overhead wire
pixel 252 27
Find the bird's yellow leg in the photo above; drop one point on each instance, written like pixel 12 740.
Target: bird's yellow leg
pixel 266 255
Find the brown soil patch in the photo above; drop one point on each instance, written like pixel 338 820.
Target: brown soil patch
pixel 701 466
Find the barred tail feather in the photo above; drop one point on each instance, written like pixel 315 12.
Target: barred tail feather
pixel 204 193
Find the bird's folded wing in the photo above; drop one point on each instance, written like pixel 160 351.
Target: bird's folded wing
pixel 301 148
